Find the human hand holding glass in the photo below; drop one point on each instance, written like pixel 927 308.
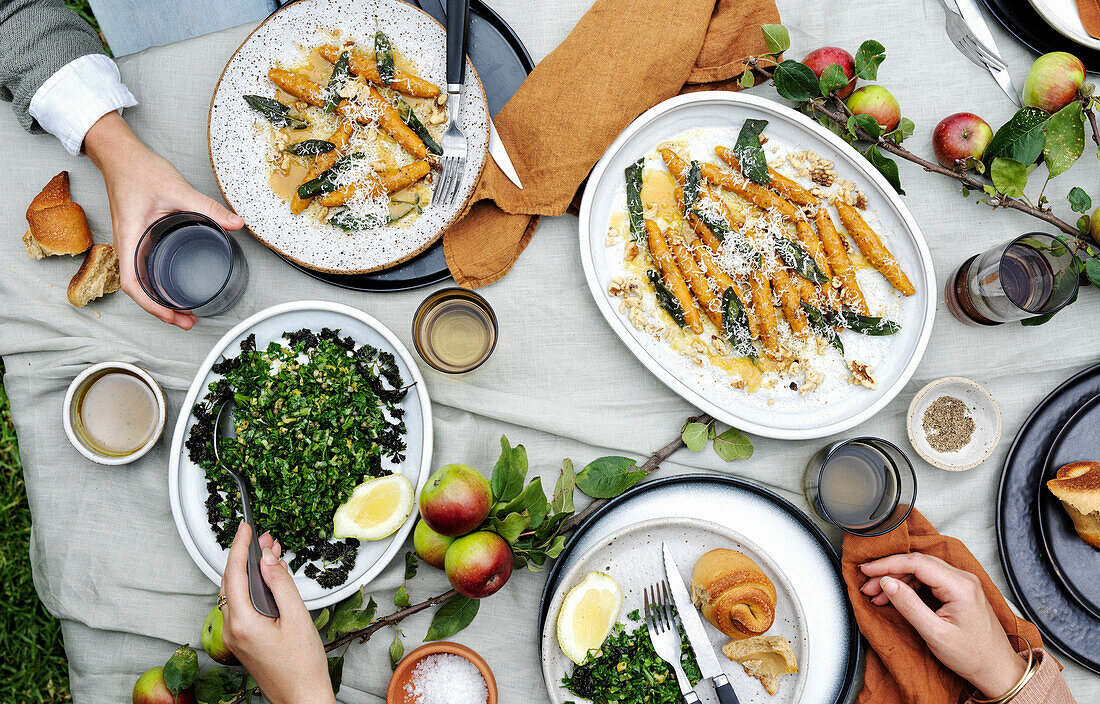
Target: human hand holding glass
pixel 284 655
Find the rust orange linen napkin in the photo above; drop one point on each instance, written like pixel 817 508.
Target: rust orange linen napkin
pixel 1090 16
pixel 623 57
pixel 900 668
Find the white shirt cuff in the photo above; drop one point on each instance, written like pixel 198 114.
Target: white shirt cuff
pixel 76 96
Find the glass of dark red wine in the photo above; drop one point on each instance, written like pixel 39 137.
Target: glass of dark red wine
pixel 186 261
pixel 1033 275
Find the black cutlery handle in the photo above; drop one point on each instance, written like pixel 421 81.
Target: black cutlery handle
pixel 458 20
pixel 722 686
pixel 262 598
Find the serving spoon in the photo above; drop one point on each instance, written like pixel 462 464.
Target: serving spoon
pixel 262 598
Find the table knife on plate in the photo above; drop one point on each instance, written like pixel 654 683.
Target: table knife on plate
pixel 696 631
pixel 438 10
pixel 972 15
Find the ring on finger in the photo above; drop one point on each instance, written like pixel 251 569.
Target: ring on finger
pixel 223 600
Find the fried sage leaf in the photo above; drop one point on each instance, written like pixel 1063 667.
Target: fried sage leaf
pixel 735 325
pixel 666 298
pixel 341 72
pixel 717 224
pixel 275 112
pixel 794 256
pixel 383 57
pixel 749 152
pixel 310 147
pixel 409 118
pixel 817 322
pixel 326 181
pixel 863 324
pixel 634 200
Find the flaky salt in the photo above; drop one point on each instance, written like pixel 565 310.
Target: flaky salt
pixel 447 679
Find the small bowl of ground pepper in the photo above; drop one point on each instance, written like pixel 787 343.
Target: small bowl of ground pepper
pixel 954 424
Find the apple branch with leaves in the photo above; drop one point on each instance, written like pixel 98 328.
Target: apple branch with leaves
pixel 1033 136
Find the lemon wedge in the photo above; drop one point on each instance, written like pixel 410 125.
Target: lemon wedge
pixel 588 613
pixel 376 509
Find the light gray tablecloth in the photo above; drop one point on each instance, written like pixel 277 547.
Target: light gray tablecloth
pixel 107 559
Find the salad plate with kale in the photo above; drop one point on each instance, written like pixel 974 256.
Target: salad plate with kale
pixel 324 399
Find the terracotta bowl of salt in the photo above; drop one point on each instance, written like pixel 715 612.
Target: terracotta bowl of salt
pixel 442 672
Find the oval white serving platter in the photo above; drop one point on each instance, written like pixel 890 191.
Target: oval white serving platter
pixel 799 416
pixel 187 481
pixel 238 151
pixel 1065 18
pixel 633 558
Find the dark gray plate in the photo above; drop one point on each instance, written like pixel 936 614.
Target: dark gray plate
pixel 777 527
pixel 1075 562
pixel 1042 597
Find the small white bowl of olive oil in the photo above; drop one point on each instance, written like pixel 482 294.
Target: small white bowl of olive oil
pixel 114 413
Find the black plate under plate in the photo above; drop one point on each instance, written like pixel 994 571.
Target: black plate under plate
pixel 1064 622
pixel 1023 22
pixel 855 644
pixel 1075 562
pixel 502 64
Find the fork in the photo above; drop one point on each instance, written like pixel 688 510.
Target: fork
pixel 454 141
pixel 964 41
pixel 660 621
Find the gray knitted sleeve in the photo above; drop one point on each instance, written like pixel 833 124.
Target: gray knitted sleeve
pixel 38 37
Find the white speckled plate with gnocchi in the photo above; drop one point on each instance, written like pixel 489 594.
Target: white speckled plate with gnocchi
pixel 805 370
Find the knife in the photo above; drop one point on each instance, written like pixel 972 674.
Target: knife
pixel 696 632
pixel 496 147
pixel 972 15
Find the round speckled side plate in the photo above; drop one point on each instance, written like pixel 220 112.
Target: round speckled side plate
pixel 238 151
pixel 632 556
pixel 776 528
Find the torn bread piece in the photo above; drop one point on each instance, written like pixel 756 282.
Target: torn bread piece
pixel 767 658
pixel 98 275
pixel 57 224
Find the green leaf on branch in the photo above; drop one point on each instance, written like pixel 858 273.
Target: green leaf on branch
pixel 885 166
pixel 181 670
pixel 1065 138
pixel 776 38
pixel 511 526
pixel 321 620
pixel 509 472
pixel 562 501
pixel 607 477
pixel 1009 176
pixel 747 80
pixel 904 130
pixel 1079 201
pixel 218 685
pixel 457 613
pixel 754 166
pixel 401 597
pixel 1083 224
pixel 412 562
pixel 350 615
pixel 868 58
pixel 795 81
pixel 865 123
pixel 336 672
pixel 531 502
pixel 1021 138
pixel 731 444
pixel 397 649
pixel 832 79
pixel 1092 271
pixel 695 436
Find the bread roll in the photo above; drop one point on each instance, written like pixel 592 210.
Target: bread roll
pixel 767 658
pixel 1077 486
pixel 57 225
pixel 733 593
pixel 97 276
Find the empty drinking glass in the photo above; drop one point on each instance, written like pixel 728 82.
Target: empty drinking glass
pixel 186 261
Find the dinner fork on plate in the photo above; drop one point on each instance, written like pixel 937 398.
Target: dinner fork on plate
pixel 660 621
pixel 454 141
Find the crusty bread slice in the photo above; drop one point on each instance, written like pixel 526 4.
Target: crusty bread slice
pixel 98 275
pixel 1077 486
pixel 57 225
pixel 767 658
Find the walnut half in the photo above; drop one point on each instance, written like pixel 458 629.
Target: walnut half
pixel 861 374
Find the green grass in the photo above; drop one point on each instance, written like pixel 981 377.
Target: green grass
pixel 33 668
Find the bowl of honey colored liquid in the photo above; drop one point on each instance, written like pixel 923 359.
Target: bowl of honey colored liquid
pixel 114 413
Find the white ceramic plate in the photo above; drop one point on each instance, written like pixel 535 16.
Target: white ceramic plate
pixel 238 150
pixel 187 481
pixel 1064 17
pixel 632 556
pixel 797 416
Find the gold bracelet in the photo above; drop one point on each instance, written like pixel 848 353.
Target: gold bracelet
pixel 1029 672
